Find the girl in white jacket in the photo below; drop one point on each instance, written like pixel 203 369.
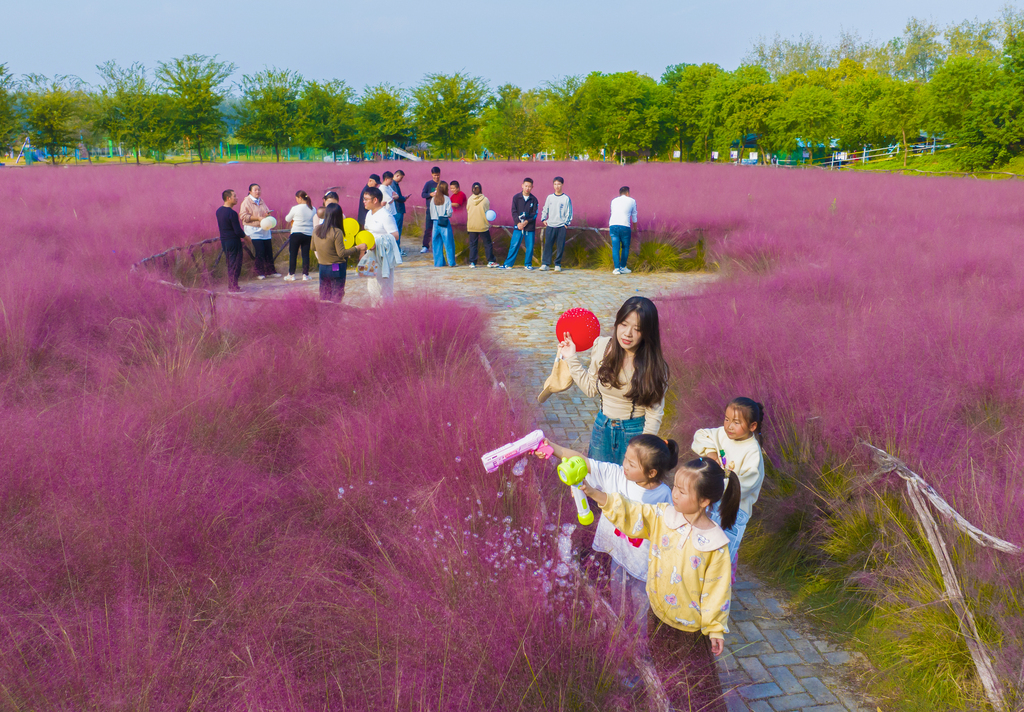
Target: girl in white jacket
pixel 736 446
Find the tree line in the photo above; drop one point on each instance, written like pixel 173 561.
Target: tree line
pixel 964 82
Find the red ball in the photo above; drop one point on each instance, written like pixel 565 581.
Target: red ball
pixel 581 324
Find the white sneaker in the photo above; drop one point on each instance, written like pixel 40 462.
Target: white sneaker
pixel 616 271
pixel 472 266
pixel 290 278
pixel 423 250
pixel 276 274
pixel 558 268
pixel 626 270
pixel 306 278
pixel 261 276
pixel 543 268
pixel 492 264
pixel 529 268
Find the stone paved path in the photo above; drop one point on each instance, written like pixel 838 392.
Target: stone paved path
pixel 773 661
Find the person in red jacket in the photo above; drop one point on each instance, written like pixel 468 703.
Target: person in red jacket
pixel 458 199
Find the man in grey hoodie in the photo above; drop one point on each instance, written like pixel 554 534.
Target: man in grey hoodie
pixel 556 217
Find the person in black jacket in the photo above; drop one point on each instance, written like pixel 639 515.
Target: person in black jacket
pixel 231 235
pixel 428 194
pixel 372 182
pixel 524 216
pixel 399 204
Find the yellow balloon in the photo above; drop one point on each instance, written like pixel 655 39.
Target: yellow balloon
pixel 351 226
pixel 365 237
pixel 349 241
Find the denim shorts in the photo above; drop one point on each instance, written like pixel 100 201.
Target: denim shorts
pixel 609 438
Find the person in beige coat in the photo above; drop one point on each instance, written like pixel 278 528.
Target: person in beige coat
pixel 478 226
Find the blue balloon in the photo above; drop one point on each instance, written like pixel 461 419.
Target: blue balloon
pixel 490 215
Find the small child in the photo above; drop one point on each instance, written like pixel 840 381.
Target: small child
pixel 640 478
pixel 737 448
pixel 689 577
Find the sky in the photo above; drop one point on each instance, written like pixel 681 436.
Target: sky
pixel 525 43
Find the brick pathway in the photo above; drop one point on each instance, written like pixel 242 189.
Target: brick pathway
pixel 773 662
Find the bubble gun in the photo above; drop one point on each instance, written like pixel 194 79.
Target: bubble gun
pixel 572 471
pixel 534 442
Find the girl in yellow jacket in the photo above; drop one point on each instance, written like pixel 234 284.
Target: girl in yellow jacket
pixel 689 576
pixel 736 446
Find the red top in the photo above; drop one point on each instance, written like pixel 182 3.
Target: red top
pixel 458 200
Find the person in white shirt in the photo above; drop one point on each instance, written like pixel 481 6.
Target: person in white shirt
pixel 620 227
pixel 388 193
pixel 301 217
pixel 385 251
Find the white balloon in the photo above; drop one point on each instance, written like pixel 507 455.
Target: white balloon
pixel 490 215
pixel 268 223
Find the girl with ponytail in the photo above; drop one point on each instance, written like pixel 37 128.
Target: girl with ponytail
pixel 640 478
pixel 689 576
pixel 736 446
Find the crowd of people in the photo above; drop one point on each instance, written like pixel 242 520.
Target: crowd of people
pixel 381 211
pixel 672 529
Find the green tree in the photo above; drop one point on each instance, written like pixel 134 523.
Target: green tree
pixel 896 113
pixel 809 114
pixel 446 108
pixel 129 109
pixel 963 91
pixel 782 56
pixel 196 84
pixel 9 122
pixel 54 112
pixel 562 115
pixel 855 126
pixel 973 38
pixel 625 112
pixel 269 113
pixel 689 105
pixel 327 117
pixel 511 127
pixel 747 107
pixel 382 117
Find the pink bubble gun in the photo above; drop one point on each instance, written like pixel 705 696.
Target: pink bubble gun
pixel 534 442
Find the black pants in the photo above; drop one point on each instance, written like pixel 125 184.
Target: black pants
pixel 264 253
pixel 428 229
pixel 488 246
pixel 296 242
pixel 233 257
pixel 551 235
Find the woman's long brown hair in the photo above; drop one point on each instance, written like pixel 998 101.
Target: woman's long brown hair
pixel 650 372
pixel 440 193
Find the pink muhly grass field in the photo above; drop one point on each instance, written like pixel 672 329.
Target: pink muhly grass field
pixel 273 506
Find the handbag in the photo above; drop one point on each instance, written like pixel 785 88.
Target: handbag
pixel 443 221
pixel 367 266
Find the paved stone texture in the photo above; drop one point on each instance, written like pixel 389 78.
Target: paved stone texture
pixel 772 662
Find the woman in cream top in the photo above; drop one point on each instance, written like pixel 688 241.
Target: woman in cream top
pixel 629 374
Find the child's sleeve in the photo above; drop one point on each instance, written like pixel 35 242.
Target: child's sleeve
pixel 704 441
pixel 631 518
pixel 716 595
pixel 750 472
pixel 605 476
pixel 587 379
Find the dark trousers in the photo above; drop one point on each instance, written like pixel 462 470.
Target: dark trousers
pixel 263 250
pixel 552 235
pixel 399 221
pixel 686 666
pixel 332 281
pixel 233 257
pixel 428 229
pixel 298 242
pixel 488 246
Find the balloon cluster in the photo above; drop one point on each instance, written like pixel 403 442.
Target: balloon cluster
pixel 354 236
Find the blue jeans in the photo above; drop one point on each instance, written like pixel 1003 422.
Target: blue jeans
pixel 518 238
pixel 733 534
pixel 609 438
pixel 620 245
pixel 447 242
pixel 332 281
pixel 399 219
